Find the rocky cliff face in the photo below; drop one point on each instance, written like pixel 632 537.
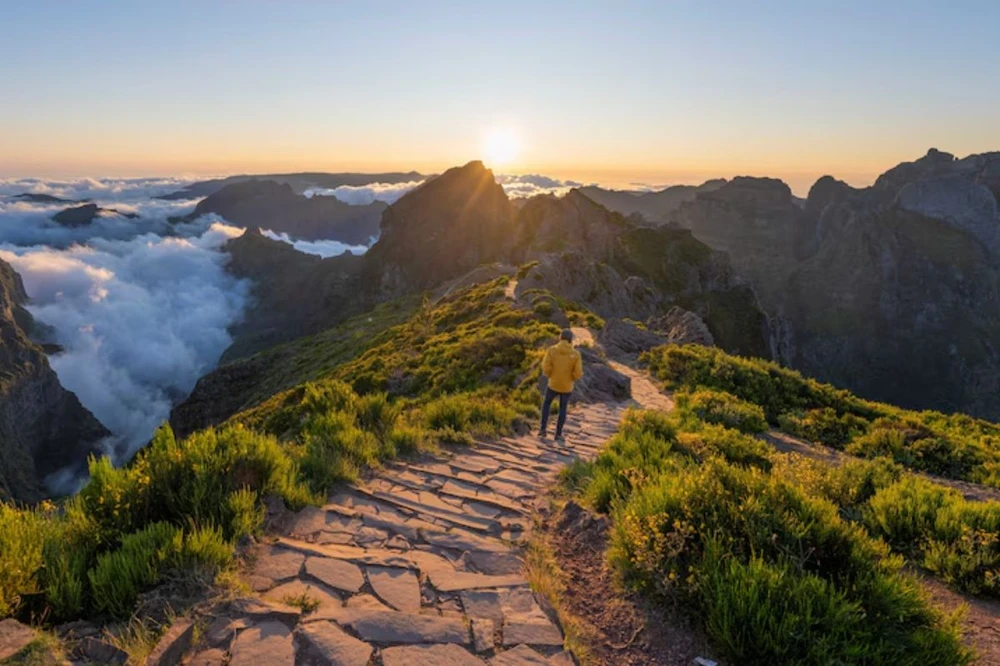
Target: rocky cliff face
pixel 441 230
pixel 294 294
pixel 892 291
pixel 271 205
pixel 43 427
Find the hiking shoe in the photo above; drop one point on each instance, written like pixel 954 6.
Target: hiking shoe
pixel 542 435
pixel 560 439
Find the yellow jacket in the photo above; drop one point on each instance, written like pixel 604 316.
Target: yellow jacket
pixel 563 366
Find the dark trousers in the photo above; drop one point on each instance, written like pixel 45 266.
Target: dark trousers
pixel 550 395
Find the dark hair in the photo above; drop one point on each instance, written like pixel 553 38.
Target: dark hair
pixel 567 335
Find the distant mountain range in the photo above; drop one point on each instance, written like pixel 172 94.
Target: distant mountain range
pixel 299 182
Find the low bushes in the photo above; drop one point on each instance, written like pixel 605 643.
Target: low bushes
pixel 954 446
pixel 957 539
pixel 760 547
pixel 723 408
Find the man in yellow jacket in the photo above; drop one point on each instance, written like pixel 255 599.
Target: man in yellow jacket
pixel 563 366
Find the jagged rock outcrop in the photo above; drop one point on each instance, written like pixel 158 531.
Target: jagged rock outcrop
pixel 625 340
pixel 294 294
pixel 547 225
pixel 682 327
pixel 892 291
pixel 43 427
pixel 441 230
pixel 271 205
pixel 80 216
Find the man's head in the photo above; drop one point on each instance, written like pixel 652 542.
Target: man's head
pixel 567 335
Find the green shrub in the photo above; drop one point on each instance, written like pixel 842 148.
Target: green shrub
pixel 202 550
pixel 405 439
pixel 24 533
pixel 823 425
pixel 376 414
pixel 732 445
pixel 778 576
pixel 917 447
pixel 775 389
pixel 478 415
pixel 904 512
pixel 137 565
pixel 245 513
pixel 949 535
pixel 336 450
pixel 955 446
pixel 723 408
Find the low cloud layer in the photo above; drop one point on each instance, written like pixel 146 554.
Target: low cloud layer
pixel 362 195
pixel 531 184
pixel 321 248
pixel 104 189
pixel 140 320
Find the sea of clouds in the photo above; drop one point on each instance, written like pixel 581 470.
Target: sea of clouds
pixel 140 307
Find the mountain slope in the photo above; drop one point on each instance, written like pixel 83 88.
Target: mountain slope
pixel 43 427
pixel 653 206
pixel 439 231
pixel 271 205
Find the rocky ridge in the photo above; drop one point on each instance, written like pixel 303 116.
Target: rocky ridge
pixel 892 291
pixel 276 206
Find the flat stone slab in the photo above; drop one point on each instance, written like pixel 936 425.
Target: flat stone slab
pixel 464 541
pixel 172 645
pixel 366 601
pixel 491 563
pixel 309 520
pixel 522 655
pixel 400 588
pixel 258 610
pixel 531 633
pixel 483 604
pixel 334 645
pixel 427 655
pixel 298 592
pixel 337 574
pixel 266 643
pixel 210 657
pixel 394 627
pixel 14 637
pixel 463 580
pixel 482 635
pixel 278 563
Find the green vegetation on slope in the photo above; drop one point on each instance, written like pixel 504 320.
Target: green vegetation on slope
pixel 465 366
pixel 707 516
pixel 954 446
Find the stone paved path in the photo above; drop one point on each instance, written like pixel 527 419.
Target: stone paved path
pixel 419 564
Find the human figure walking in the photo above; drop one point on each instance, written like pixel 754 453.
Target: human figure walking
pixel 563 366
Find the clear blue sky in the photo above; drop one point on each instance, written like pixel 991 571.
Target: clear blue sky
pixel 654 92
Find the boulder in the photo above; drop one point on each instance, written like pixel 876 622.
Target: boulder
pixel 623 339
pixel 681 327
pixel 14 637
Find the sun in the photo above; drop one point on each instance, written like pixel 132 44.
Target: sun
pixel 500 146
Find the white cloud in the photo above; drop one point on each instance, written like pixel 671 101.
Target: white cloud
pixel 362 195
pixel 321 248
pixel 521 186
pixel 97 189
pixel 140 320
